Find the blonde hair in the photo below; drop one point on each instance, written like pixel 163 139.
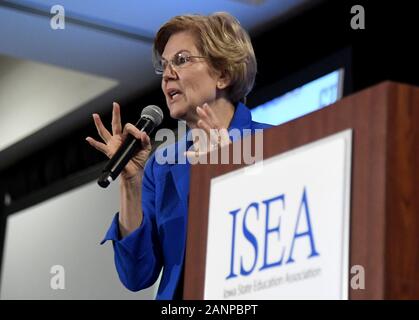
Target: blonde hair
pixel 222 39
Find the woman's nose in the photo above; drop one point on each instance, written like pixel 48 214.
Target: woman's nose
pixel 169 72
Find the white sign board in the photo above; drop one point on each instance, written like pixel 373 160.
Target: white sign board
pixel 282 232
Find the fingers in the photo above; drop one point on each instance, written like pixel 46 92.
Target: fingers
pixel 116 119
pixel 207 115
pixel 132 130
pixel 204 125
pixel 102 131
pixel 139 135
pixel 208 121
pixel 224 137
pixel 145 141
pixel 211 116
pixel 194 155
pixel 97 145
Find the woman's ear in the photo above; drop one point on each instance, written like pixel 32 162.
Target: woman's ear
pixel 223 81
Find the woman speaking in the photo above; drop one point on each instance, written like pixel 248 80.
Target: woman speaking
pixel 208 67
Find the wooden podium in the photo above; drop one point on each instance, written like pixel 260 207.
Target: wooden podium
pixel 384 215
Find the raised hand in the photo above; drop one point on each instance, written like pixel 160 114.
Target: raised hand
pixel 112 141
pixel 216 135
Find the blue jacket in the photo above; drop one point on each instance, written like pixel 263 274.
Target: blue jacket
pixel 160 240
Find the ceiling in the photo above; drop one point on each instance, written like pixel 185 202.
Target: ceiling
pixel 108 41
pixel 31 97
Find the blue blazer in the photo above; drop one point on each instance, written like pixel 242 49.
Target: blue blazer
pixel 160 240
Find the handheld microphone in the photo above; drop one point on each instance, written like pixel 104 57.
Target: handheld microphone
pixel 151 117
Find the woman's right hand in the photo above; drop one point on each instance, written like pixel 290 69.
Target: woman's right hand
pixel 114 140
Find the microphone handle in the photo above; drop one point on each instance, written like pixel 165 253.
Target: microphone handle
pixel 124 154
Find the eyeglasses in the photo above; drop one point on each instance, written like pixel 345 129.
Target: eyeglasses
pixel 178 61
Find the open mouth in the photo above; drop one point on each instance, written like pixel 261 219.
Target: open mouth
pixel 174 93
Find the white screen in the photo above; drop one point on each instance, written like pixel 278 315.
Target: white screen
pixel 65 231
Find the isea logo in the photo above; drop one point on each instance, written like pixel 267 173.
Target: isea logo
pixel 262 243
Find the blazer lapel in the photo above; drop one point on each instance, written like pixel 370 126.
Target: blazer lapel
pixel 242 118
pixel 180 175
pixel 180 171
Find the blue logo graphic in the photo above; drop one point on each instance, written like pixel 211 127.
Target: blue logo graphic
pixel 263 210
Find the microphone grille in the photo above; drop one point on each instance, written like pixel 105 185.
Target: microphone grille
pixel 154 113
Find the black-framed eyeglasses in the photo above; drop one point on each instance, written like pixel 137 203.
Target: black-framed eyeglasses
pixel 178 61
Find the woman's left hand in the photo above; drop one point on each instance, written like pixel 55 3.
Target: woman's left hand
pixel 216 135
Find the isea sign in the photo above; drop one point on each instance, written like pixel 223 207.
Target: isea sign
pixel 286 253
pixel 282 232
